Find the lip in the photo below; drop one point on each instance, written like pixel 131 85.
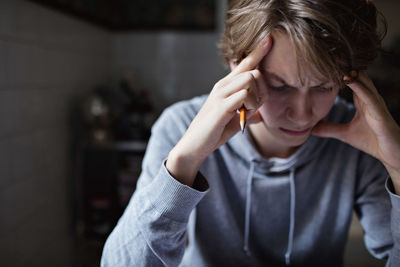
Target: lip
pixel 295 133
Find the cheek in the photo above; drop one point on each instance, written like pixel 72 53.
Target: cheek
pixel 322 104
pixel 273 107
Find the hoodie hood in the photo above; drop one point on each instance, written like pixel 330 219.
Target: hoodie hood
pixel 243 146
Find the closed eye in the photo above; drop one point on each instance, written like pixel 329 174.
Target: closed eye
pixel 323 89
pixel 280 88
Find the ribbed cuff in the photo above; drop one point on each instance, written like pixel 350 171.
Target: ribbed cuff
pixel 393 196
pixel 174 199
pixel 395 214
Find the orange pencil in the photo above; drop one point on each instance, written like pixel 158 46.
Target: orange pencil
pixel 242 118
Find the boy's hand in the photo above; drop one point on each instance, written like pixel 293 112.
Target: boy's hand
pixel 217 120
pixel 372 130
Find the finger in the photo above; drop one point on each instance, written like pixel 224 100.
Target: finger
pixel 233 126
pixel 367 82
pixel 253 59
pixel 257 88
pixel 365 93
pixel 362 91
pixel 251 102
pixel 262 89
pixel 244 81
pixel 250 62
pixel 230 129
pixel 236 100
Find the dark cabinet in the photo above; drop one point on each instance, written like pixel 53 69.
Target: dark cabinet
pixel 108 176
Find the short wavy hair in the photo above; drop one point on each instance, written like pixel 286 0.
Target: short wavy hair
pixel 330 37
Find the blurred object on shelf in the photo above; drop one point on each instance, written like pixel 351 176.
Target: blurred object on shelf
pixel 386 76
pixel 385 73
pixel 116 126
pixel 117 113
pixel 135 119
pixel 108 176
pixel 392 57
pixel 96 113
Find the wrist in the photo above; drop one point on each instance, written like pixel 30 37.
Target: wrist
pixel 183 167
pixel 395 177
pixel 396 186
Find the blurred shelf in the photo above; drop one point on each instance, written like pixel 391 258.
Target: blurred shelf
pixel 121 145
pixel 108 172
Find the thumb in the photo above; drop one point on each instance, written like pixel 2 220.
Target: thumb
pixel 330 130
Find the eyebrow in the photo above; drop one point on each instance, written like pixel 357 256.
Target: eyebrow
pixel 275 76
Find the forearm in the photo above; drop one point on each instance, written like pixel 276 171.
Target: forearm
pixel 155 219
pixel 183 167
pixel 394 259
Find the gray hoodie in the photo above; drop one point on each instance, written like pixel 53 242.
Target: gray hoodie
pixel 246 210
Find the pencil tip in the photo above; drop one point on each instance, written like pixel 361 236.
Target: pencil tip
pixel 242 126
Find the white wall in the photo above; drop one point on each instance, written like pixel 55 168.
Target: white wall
pixel 46 60
pixel 171 65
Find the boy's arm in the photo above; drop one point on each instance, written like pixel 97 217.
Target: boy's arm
pixel 378 210
pixel 152 230
pixel 394 259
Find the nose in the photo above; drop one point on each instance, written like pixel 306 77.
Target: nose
pixel 299 110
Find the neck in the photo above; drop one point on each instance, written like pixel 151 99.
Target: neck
pixel 265 144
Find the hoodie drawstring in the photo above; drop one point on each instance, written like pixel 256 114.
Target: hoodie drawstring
pixel 292 217
pixel 247 212
pixel 248 208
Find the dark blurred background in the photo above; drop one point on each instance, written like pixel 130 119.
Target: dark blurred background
pixel 81 82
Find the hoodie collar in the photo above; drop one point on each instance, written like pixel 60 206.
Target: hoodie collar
pixel 243 146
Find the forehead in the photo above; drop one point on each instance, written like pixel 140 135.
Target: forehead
pixel 282 61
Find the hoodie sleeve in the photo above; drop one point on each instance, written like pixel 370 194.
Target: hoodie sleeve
pixel 395 224
pixel 378 210
pixel 152 230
